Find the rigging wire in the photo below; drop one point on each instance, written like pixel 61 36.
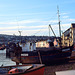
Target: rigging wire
pixel 18 27
pixel 50 22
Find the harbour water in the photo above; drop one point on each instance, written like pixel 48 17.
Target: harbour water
pixel 5 61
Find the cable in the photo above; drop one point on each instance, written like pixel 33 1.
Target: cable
pixel 44 25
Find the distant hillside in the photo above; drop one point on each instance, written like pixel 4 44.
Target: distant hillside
pixel 6 38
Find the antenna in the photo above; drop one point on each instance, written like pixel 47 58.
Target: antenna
pixel 19 30
pixel 18 27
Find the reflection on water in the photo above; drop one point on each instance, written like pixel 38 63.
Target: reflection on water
pixel 5 61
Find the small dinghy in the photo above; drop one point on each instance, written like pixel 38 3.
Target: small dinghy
pixel 33 69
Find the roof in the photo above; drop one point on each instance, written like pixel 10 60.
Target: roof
pixel 73 25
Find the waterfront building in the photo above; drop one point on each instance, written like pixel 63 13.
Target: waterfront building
pixel 68 37
pixel 47 43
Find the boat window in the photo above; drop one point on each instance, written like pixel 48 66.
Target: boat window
pixel 30 44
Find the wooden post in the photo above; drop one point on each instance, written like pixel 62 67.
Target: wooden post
pixel 39 57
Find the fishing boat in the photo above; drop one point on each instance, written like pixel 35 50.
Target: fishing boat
pixel 46 55
pixel 33 69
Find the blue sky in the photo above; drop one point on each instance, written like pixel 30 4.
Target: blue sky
pixel 32 17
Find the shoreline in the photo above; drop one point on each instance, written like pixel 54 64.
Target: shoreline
pixel 51 69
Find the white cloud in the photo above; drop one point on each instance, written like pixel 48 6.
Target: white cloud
pixel 38 31
pixel 65 16
pixel 27 22
pixel 19 22
pixel 41 27
pixel 63 13
pixel 71 20
pixel 24 27
pixel 68 20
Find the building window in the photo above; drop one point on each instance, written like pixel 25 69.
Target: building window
pixel 43 44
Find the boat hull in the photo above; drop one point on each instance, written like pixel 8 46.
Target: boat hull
pixel 36 69
pixel 53 56
pixel 46 58
pixel 39 71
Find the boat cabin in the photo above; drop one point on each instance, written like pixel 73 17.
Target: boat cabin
pixel 28 46
pixel 47 43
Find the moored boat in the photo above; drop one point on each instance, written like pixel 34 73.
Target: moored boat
pixel 45 56
pixel 35 69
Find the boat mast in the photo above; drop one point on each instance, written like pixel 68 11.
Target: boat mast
pixel 59 21
pixel 59 24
